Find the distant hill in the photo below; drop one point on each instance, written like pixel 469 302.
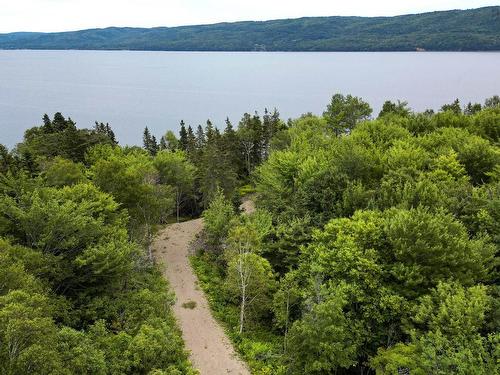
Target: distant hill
pixel 454 30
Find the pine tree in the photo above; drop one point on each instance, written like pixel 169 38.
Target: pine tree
pixel 111 134
pixel 200 138
pixel 149 142
pixel 105 130
pixel 47 124
pixel 146 139
pixel 209 131
pixel 232 148
pixel 191 143
pixel 154 146
pixel 183 137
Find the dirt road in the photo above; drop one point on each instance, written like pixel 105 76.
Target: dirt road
pixel 211 350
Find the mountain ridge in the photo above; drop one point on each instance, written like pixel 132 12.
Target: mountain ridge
pixel 453 30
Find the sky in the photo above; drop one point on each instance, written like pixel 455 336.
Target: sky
pixel 65 15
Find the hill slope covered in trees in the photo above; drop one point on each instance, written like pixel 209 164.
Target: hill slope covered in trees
pixel 455 30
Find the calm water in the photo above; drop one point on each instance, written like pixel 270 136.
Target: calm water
pixel 133 89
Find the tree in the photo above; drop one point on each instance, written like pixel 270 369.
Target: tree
pixel 183 137
pixel 217 218
pixel 132 179
pixel 191 144
pixel 59 137
pixel 453 107
pixel 472 109
pixel 215 170
pixel 6 160
pixel 249 276
pixel 325 340
pixel 156 346
pixel 492 102
pixel 149 142
pixel 344 112
pixel 26 323
pixel 271 125
pixel 169 141
pixel 231 147
pixel 251 134
pixel 285 304
pixel 175 170
pixel 399 109
pixel 477 155
pixel 63 172
pixel 106 130
pixel 445 336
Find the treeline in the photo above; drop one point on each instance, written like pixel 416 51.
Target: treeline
pixel 374 249
pixel 220 159
pixel 454 30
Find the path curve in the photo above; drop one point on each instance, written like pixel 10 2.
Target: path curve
pixel 211 351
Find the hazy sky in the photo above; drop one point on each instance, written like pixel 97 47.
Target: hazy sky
pixel 62 15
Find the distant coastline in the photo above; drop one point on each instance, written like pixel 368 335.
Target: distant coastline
pixel 454 30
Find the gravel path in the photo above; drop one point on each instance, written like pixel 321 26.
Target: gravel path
pixel 211 350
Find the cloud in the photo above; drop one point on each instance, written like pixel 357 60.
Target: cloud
pixel 59 15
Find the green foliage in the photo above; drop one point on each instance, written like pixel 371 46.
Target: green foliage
pixel 374 248
pixel 217 218
pixel 453 107
pixel 344 112
pixel 6 160
pixel 58 137
pixel 250 281
pixel 260 348
pixel 324 339
pixel 189 305
pixel 402 270
pixel 399 109
pixel 130 176
pixel 445 336
pixel 61 172
pixel 76 295
pixel 175 170
pixel 149 142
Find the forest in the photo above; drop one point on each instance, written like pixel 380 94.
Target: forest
pixel 454 30
pixel 374 248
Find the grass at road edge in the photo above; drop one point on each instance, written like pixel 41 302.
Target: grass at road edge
pixel 260 348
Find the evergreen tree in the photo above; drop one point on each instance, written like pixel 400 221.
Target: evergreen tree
pixel 105 130
pixel 271 125
pixel 183 137
pixel 149 142
pixel 146 139
pixel 230 145
pixel 191 143
pixel 400 108
pixel 47 124
pixel 200 138
pixel 492 102
pixel 472 109
pixel 453 107
pixel 6 160
pixel 209 131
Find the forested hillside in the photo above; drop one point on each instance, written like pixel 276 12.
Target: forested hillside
pixel 374 248
pixel 455 30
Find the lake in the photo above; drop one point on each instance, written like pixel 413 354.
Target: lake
pixel 133 89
